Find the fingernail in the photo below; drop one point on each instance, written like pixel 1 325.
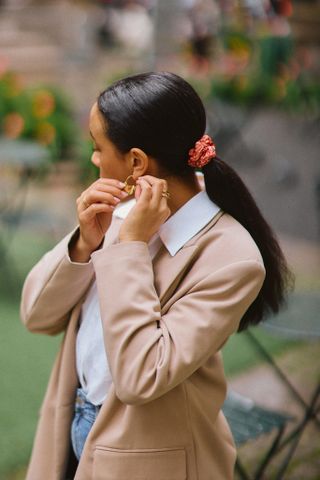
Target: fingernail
pixel 117 199
pixel 121 184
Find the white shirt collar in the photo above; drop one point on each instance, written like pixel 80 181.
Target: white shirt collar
pixel 184 224
pixel 122 209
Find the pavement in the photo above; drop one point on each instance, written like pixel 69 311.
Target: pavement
pixel 263 386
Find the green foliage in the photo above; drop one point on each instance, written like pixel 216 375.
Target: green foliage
pixel 275 51
pixel 239 355
pixel 42 114
pixel 261 68
pixel 26 359
pixel 237 41
pixel 24 379
pixel 260 90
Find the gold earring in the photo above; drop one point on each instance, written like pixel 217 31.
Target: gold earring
pixel 129 188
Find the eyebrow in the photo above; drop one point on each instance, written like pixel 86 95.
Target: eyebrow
pixel 91 135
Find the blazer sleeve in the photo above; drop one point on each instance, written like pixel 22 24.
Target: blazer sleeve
pixel 149 353
pixel 52 289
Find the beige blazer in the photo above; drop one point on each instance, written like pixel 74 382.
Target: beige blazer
pixel 164 323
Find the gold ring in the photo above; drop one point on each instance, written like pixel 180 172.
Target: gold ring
pixel 166 194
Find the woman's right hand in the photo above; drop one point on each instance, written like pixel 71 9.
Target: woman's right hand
pixel 95 206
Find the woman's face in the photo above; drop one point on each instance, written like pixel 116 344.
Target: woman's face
pixel 106 156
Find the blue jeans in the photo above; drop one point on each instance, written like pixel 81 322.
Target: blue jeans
pixel 85 414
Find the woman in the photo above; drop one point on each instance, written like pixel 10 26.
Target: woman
pixel 148 288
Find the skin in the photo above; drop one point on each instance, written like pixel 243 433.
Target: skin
pixel 95 205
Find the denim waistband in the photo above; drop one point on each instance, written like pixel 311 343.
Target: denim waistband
pixel 82 402
pixel 85 414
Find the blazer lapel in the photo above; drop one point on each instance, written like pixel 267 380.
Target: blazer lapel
pixel 169 270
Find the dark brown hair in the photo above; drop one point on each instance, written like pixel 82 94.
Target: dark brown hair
pixel 162 114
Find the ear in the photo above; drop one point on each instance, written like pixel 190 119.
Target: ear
pixel 138 161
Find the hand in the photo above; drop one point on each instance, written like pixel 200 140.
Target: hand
pixel 95 207
pixel 149 213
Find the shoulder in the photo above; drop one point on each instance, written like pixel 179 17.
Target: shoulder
pixel 226 263
pixel 225 243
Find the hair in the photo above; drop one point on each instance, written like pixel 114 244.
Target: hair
pixel 163 115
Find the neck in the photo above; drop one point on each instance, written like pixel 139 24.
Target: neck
pixel 181 191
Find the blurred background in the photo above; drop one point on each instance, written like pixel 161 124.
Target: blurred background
pixel 256 65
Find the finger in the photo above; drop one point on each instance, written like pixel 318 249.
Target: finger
pixel 117 192
pixel 159 186
pixel 86 201
pixel 157 191
pixel 90 212
pixel 154 180
pixel 95 196
pixel 146 191
pixel 106 184
pixel 109 181
pixel 137 191
pixel 82 203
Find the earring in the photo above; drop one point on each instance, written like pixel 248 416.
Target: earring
pixel 129 188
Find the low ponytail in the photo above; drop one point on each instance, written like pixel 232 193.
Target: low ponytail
pixel 161 113
pixel 227 190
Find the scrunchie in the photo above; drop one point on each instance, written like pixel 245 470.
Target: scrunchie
pixel 203 151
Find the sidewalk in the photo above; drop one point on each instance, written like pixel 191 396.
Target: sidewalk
pixel 302 365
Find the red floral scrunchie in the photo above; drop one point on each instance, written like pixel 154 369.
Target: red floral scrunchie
pixel 203 151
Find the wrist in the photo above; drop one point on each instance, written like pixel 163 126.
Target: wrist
pixel 132 239
pixel 79 251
